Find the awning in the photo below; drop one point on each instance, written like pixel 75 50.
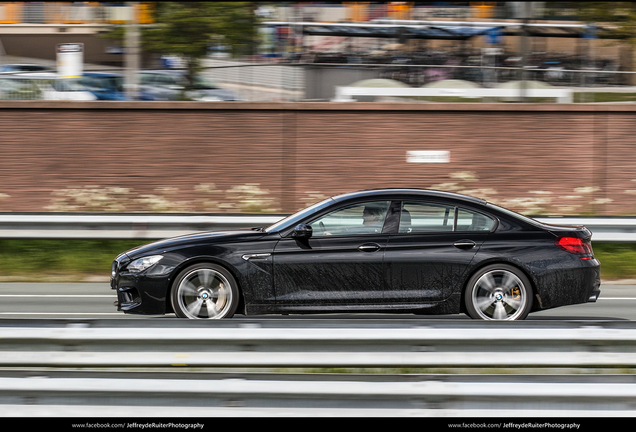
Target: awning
pixel 395 32
pixel 453 31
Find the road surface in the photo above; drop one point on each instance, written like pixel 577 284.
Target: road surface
pixel 26 300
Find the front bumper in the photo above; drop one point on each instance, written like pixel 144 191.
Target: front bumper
pixel 142 293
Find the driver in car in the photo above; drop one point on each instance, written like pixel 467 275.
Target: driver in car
pixel 372 219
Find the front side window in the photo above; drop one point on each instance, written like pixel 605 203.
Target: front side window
pixel 67 85
pixel 202 83
pixel 145 79
pixel 357 219
pixel 166 81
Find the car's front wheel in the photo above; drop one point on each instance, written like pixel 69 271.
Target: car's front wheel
pixel 498 292
pixel 204 291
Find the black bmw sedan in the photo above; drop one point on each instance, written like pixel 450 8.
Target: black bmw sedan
pixel 391 250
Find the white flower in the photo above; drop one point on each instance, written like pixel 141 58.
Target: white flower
pixel 587 189
pixel 465 176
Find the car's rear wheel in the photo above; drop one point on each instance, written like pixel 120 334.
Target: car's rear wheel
pixel 204 291
pixel 498 292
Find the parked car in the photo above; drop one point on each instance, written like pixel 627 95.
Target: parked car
pixel 104 85
pixel 66 89
pixel 12 68
pixel 47 86
pixel 170 85
pixel 390 250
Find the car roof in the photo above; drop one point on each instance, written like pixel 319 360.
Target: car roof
pixel 102 74
pixel 35 75
pixel 405 193
pixel 164 72
pixel 24 64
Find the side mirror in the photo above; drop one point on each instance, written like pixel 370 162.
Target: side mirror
pixel 303 231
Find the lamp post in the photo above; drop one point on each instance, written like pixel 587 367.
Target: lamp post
pixel 131 53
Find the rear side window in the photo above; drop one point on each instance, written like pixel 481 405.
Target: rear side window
pixel 426 217
pixel 422 217
pixel 468 220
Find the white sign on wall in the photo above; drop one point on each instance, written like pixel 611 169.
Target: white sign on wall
pixel 428 156
pixel 70 60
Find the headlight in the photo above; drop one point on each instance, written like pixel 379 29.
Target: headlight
pixel 142 264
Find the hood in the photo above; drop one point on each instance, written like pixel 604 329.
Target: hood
pixel 209 237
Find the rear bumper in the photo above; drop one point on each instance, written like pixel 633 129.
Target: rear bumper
pixel 594 296
pixel 577 284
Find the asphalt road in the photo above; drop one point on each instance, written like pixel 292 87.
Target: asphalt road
pixel 95 301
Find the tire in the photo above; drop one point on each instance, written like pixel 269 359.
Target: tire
pixel 498 292
pixel 204 291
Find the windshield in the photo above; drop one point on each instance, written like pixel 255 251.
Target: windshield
pixel 296 217
pixel 103 83
pixel 202 83
pixel 70 84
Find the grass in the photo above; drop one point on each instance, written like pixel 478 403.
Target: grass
pixel 618 260
pixel 77 260
pixel 604 97
pixel 59 260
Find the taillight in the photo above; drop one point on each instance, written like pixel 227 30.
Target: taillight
pixel 576 246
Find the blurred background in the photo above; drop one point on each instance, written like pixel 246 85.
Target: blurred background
pixel 116 117
pixel 266 106
pixel 270 106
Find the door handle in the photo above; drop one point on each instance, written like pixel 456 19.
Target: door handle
pixel 369 247
pixel 464 244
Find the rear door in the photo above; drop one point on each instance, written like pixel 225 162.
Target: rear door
pixel 428 257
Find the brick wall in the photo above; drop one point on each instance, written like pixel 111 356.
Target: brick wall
pixel 564 159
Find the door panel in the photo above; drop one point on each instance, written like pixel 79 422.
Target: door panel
pixel 330 270
pixel 428 267
pixel 435 244
pixel 341 264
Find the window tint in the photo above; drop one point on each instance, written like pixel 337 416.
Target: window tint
pixel 472 221
pixel 145 78
pixel 164 81
pixel 67 85
pixel 426 217
pixel 202 83
pixel 364 218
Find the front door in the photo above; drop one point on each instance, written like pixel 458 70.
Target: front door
pixel 340 265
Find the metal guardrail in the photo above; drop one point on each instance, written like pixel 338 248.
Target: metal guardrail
pixel 346 94
pixel 122 226
pixel 289 345
pixel 428 396
pixel 97 348
pixel 270 75
pixel 619 229
pixel 153 226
